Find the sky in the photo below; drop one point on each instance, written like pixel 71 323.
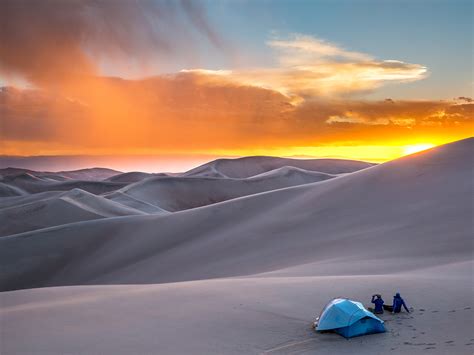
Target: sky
pixel 180 81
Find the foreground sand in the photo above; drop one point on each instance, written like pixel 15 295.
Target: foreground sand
pixel 265 314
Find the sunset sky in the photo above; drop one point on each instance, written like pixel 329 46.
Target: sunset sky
pixel 175 83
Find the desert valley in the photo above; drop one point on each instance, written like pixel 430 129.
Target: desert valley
pixel 238 256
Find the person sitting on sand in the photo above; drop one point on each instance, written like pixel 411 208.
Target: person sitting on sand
pixel 398 302
pixel 378 301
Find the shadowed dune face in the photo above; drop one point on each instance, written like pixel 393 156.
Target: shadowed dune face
pixel 413 212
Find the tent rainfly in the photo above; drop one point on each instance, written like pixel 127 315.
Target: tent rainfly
pixel 349 319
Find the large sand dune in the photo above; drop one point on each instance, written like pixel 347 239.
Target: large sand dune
pixel 248 275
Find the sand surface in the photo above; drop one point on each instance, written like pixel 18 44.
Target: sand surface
pixel 262 315
pixel 249 274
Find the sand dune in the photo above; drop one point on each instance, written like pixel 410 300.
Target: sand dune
pixel 413 212
pixel 33 184
pixel 134 202
pixel 130 177
pixel 92 174
pixel 60 208
pixel 250 166
pixel 297 174
pixel 26 198
pixel 8 191
pixel 181 193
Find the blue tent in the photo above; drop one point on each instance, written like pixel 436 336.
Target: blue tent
pixel 349 319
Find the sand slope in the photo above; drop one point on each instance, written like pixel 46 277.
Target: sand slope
pixel 134 202
pixel 250 166
pixel 410 213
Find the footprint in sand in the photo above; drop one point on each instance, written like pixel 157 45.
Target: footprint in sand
pixel 430 347
pixel 449 341
pixel 422 332
pixel 421 309
pixel 452 311
pixel 467 307
pixel 434 311
pixel 469 344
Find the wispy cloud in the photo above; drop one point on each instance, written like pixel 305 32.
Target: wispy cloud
pixel 303 49
pixel 309 66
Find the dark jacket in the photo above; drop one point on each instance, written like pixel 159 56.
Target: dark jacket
pixel 378 304
pixel 398 302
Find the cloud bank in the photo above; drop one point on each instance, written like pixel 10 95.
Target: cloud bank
pixel 182 113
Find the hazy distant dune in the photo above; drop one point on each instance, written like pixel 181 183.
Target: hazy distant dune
pixel 91 174
pixel 33 184
pixel 250 166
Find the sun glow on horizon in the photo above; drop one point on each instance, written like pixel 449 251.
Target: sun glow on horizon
pixel 415 148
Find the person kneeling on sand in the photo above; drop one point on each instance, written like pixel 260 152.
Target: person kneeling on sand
pixel 378 302
pixel 398 302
